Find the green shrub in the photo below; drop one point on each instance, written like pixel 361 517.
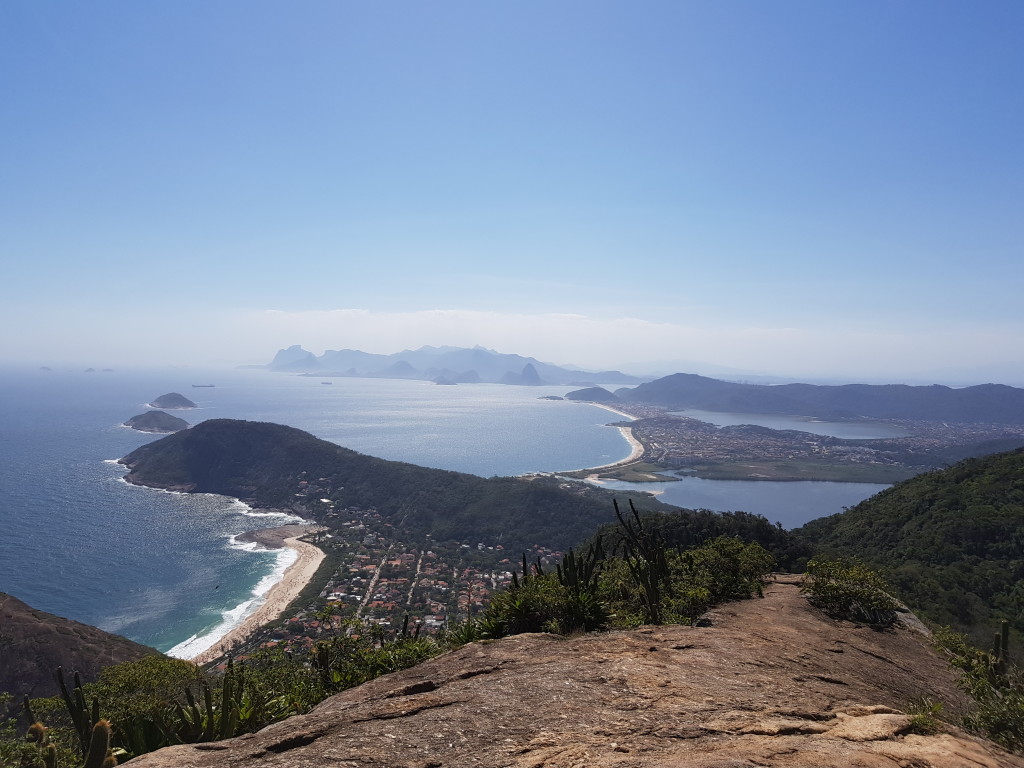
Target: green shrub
pixel 347 661
pixel 541 603
pixel 924 717
pixel 15 749
pixel 728 568
pixel 648 584
pixel 462 632
pixel 996 688
pixel 696 579
pixel 158 701
pixel 847 589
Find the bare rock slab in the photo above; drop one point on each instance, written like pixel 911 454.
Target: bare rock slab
pixel 771 682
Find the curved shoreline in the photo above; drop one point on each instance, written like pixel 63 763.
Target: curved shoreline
pixel 281 594
pixel 637 448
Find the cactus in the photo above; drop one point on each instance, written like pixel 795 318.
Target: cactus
pixel 517 583
pixel 645 556
pixel 99 754
pixel 1001 648
pixel 580 574
pixel 83 718
pixel 206 722
pixel 94 735
pixel 28 710
pixel 38 734
pixel 231 700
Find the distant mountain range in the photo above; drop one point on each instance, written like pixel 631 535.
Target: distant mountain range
pixel 985 403
pixel 443 365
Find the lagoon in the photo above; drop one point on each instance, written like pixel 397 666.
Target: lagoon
pixel 790 503
pixel 847 430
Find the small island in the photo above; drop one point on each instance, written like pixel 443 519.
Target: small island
pixel 156 421
pixel 593 395
pixel 172 401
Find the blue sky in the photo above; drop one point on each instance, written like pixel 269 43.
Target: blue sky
pixel 792 188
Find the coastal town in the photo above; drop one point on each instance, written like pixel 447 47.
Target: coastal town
pixel 676 442
pixel 373 581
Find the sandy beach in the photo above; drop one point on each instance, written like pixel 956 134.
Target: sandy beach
pixel 282 593
pixel 637 447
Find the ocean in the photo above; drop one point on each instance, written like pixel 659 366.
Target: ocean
pixel 165 569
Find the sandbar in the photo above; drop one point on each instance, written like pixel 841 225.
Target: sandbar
pixel 282 593
pixel 637 447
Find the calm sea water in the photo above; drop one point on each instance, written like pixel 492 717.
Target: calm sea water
pixel 162 568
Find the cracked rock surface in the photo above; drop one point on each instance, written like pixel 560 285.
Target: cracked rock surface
pixel 772 682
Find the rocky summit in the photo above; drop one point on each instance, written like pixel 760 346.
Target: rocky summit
pixel 769 682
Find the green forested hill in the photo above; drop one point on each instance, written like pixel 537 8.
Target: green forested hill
pixel 951 542
pixel 271 465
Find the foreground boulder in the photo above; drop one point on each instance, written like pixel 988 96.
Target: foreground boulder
pixel 771 683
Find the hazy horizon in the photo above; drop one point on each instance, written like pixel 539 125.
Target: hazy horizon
pixel 796 189
pixel 648 370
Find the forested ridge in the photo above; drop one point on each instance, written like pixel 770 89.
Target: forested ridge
pixel 992 403
pixel 950 542
pixel 266 465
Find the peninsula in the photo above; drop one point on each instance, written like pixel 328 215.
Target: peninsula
pixel 456 532
pixel 279 467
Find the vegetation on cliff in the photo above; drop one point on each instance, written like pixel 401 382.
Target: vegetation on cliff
pixel 644 581
pixel 950 542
